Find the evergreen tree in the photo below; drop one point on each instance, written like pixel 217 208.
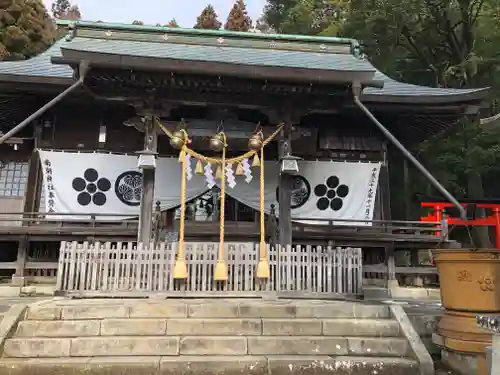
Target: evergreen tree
pixel 63 10
pixel 73 14
pixel 238 19
pixel 208 19
pixel 173 23
pixel 60 8
pixel 26 29
pixel 262 26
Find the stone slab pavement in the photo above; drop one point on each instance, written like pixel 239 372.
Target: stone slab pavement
pixel 7 302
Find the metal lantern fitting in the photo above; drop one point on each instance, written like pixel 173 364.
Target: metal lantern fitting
pixel 218 142
pixel 289 164
pixel 179 139
pixel 147 159
pixel 256 141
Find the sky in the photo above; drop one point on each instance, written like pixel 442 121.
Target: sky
pixel 157 11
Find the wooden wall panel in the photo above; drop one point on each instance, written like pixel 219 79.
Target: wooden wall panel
pixel 8 204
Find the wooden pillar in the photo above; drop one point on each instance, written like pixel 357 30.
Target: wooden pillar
pixel 407 192
pixel 390 260
pixel 385 188
pixel 285 190
pixel 385 192
pixel 390 251
pixel 18 279
pixel 148 183
pixel 31 203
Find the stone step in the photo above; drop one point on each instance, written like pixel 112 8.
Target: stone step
pixel 212 365
pixel 204 345
pixel 210 309
pixel 208 326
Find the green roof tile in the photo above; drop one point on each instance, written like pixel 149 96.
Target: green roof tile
pixel 393 88
pixel 238 48
pixel 38 66
pixel 232 55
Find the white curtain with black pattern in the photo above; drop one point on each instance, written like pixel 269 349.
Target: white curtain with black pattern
pixel 102 183
pixel 322 191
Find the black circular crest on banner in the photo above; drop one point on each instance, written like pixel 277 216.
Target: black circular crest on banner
pixel 301 192
pixel 91 188
pixel 331 194
pixel 128 188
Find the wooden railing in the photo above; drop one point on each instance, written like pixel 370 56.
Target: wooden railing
pixel 105 268
pixel 68 219
pixel 386 226
pixel 95 220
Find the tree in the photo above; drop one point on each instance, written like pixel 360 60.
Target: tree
pixel 63 10
pixel 60 7
pixel 443 43
pixel 446 44
pixel 306 17
pixel 436 41
pixel 238 19
pixel 173 23
pixel 137 22
pixel 26 29
pixel 262 26
pixel 208 19
pixel 73 14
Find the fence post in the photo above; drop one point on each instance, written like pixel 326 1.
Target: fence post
pixel 60 267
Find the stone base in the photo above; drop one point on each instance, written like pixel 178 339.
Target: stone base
pixel 211 365
pixel 19 281
pixel 465 364
pixel 392 284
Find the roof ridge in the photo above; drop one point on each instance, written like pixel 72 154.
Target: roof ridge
pixel 205 32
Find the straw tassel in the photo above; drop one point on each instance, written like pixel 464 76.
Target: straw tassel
pixel 218 173
pixel 182 156
pixel 256 161
pixel 239 170
pixel 199 168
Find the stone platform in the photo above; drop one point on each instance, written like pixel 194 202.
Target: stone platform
pixel 211 336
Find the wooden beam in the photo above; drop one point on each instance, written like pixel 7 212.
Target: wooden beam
pixel 382 268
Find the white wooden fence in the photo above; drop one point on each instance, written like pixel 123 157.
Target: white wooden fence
pixel 125 267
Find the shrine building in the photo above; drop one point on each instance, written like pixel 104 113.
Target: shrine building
pixel 139 134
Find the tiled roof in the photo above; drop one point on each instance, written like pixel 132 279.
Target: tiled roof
pixel 38 66
pixel 232 55
pixel 393 88
pixel 137 29
pixel 249 49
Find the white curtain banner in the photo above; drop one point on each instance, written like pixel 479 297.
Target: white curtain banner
pixel 322 191
pixel 88 183
pixel 107 183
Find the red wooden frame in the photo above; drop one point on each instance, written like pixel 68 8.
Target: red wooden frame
pixel 492 220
